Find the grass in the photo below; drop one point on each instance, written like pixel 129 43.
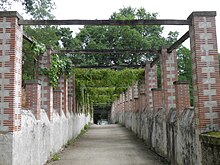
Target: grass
pixel 72 141
pixel 55 157
pixel 214 134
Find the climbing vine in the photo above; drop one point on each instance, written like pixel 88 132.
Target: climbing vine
pixel 104 85
pixel 59 66
pixel 38 48
pixel 93 86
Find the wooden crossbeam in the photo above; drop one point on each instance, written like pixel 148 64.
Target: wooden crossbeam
pixel 104 51
pixel 105 22
pixel 112 67
pixel 172 47
pixel 28 38
pixel 154 61
pixel 178 42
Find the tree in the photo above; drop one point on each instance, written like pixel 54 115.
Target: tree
pixel 53 36
pixel 122 37
pixel 38 9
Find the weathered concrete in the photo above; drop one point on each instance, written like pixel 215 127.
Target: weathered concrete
pixel 210 149
pixel 109 145
pixel 39 139
pixel 172 138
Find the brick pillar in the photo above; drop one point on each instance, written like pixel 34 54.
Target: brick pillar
pixel 33 97
pixel 123 100
pixel 142 96
pixel 63 85
pixel 71 93
pixel 10 71
pixel 150 82
pixel 130 99
pixel 46 88
pixel 57 100
pixel 136 97
pixel 70 103
pixel 168 63
pixel 126 101
pixel 182 95
pixel 157 95
pixel 205 70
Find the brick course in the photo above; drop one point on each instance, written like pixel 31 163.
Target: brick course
pixel 168 63
pixel 46 88
pixel 10 68
pixel 205 70
pixel 150 82
pixel 33 97
pixel 182 96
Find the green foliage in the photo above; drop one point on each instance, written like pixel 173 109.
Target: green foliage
pixel 86 127
pixel 104 85
pixel 121 37
pixel 38 48
pixel 38 9
pixel 59 66
pixel 48 35
pixel 214 134
pixel 185 67
pixel 55 157
pixel 30 56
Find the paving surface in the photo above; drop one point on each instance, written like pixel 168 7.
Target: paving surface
pixel 108 145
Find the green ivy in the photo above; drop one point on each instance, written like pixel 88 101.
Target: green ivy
pixel 59 66
pixel 104 85
pixel 38 48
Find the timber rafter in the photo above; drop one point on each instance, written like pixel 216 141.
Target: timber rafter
pixel 105 51
pixel 111 67
pixel 106 22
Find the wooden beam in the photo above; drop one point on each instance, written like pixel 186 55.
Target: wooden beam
pixel 178 42
pixel 104 51
pixel 111 67
pixel 105 22
pixel 154 61
pixel 28 38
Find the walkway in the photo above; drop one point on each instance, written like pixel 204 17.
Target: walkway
pixel 108 145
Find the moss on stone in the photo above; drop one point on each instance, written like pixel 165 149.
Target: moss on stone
pixel 214 134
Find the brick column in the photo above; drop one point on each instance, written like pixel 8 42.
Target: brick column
pixel 150 82
pixel 33 96
pixel 130 91
pixel 126 101
pixel 46 88
pixel 157 95
pixel 205 70
pixel 71 92
pixel 136 97
pixel 182 95
pixel 10 71
pixel 63 85
pixel 142 96
pixel 168 63
pixel 123 100
pixel 57 100
pixel 70 103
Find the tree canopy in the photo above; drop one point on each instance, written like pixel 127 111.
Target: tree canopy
pixel 103 86
pixel 122 37
pixel 38 9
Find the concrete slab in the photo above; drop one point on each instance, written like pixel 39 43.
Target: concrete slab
pixel 108 145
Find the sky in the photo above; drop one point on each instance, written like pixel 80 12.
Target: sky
pixel 167 9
